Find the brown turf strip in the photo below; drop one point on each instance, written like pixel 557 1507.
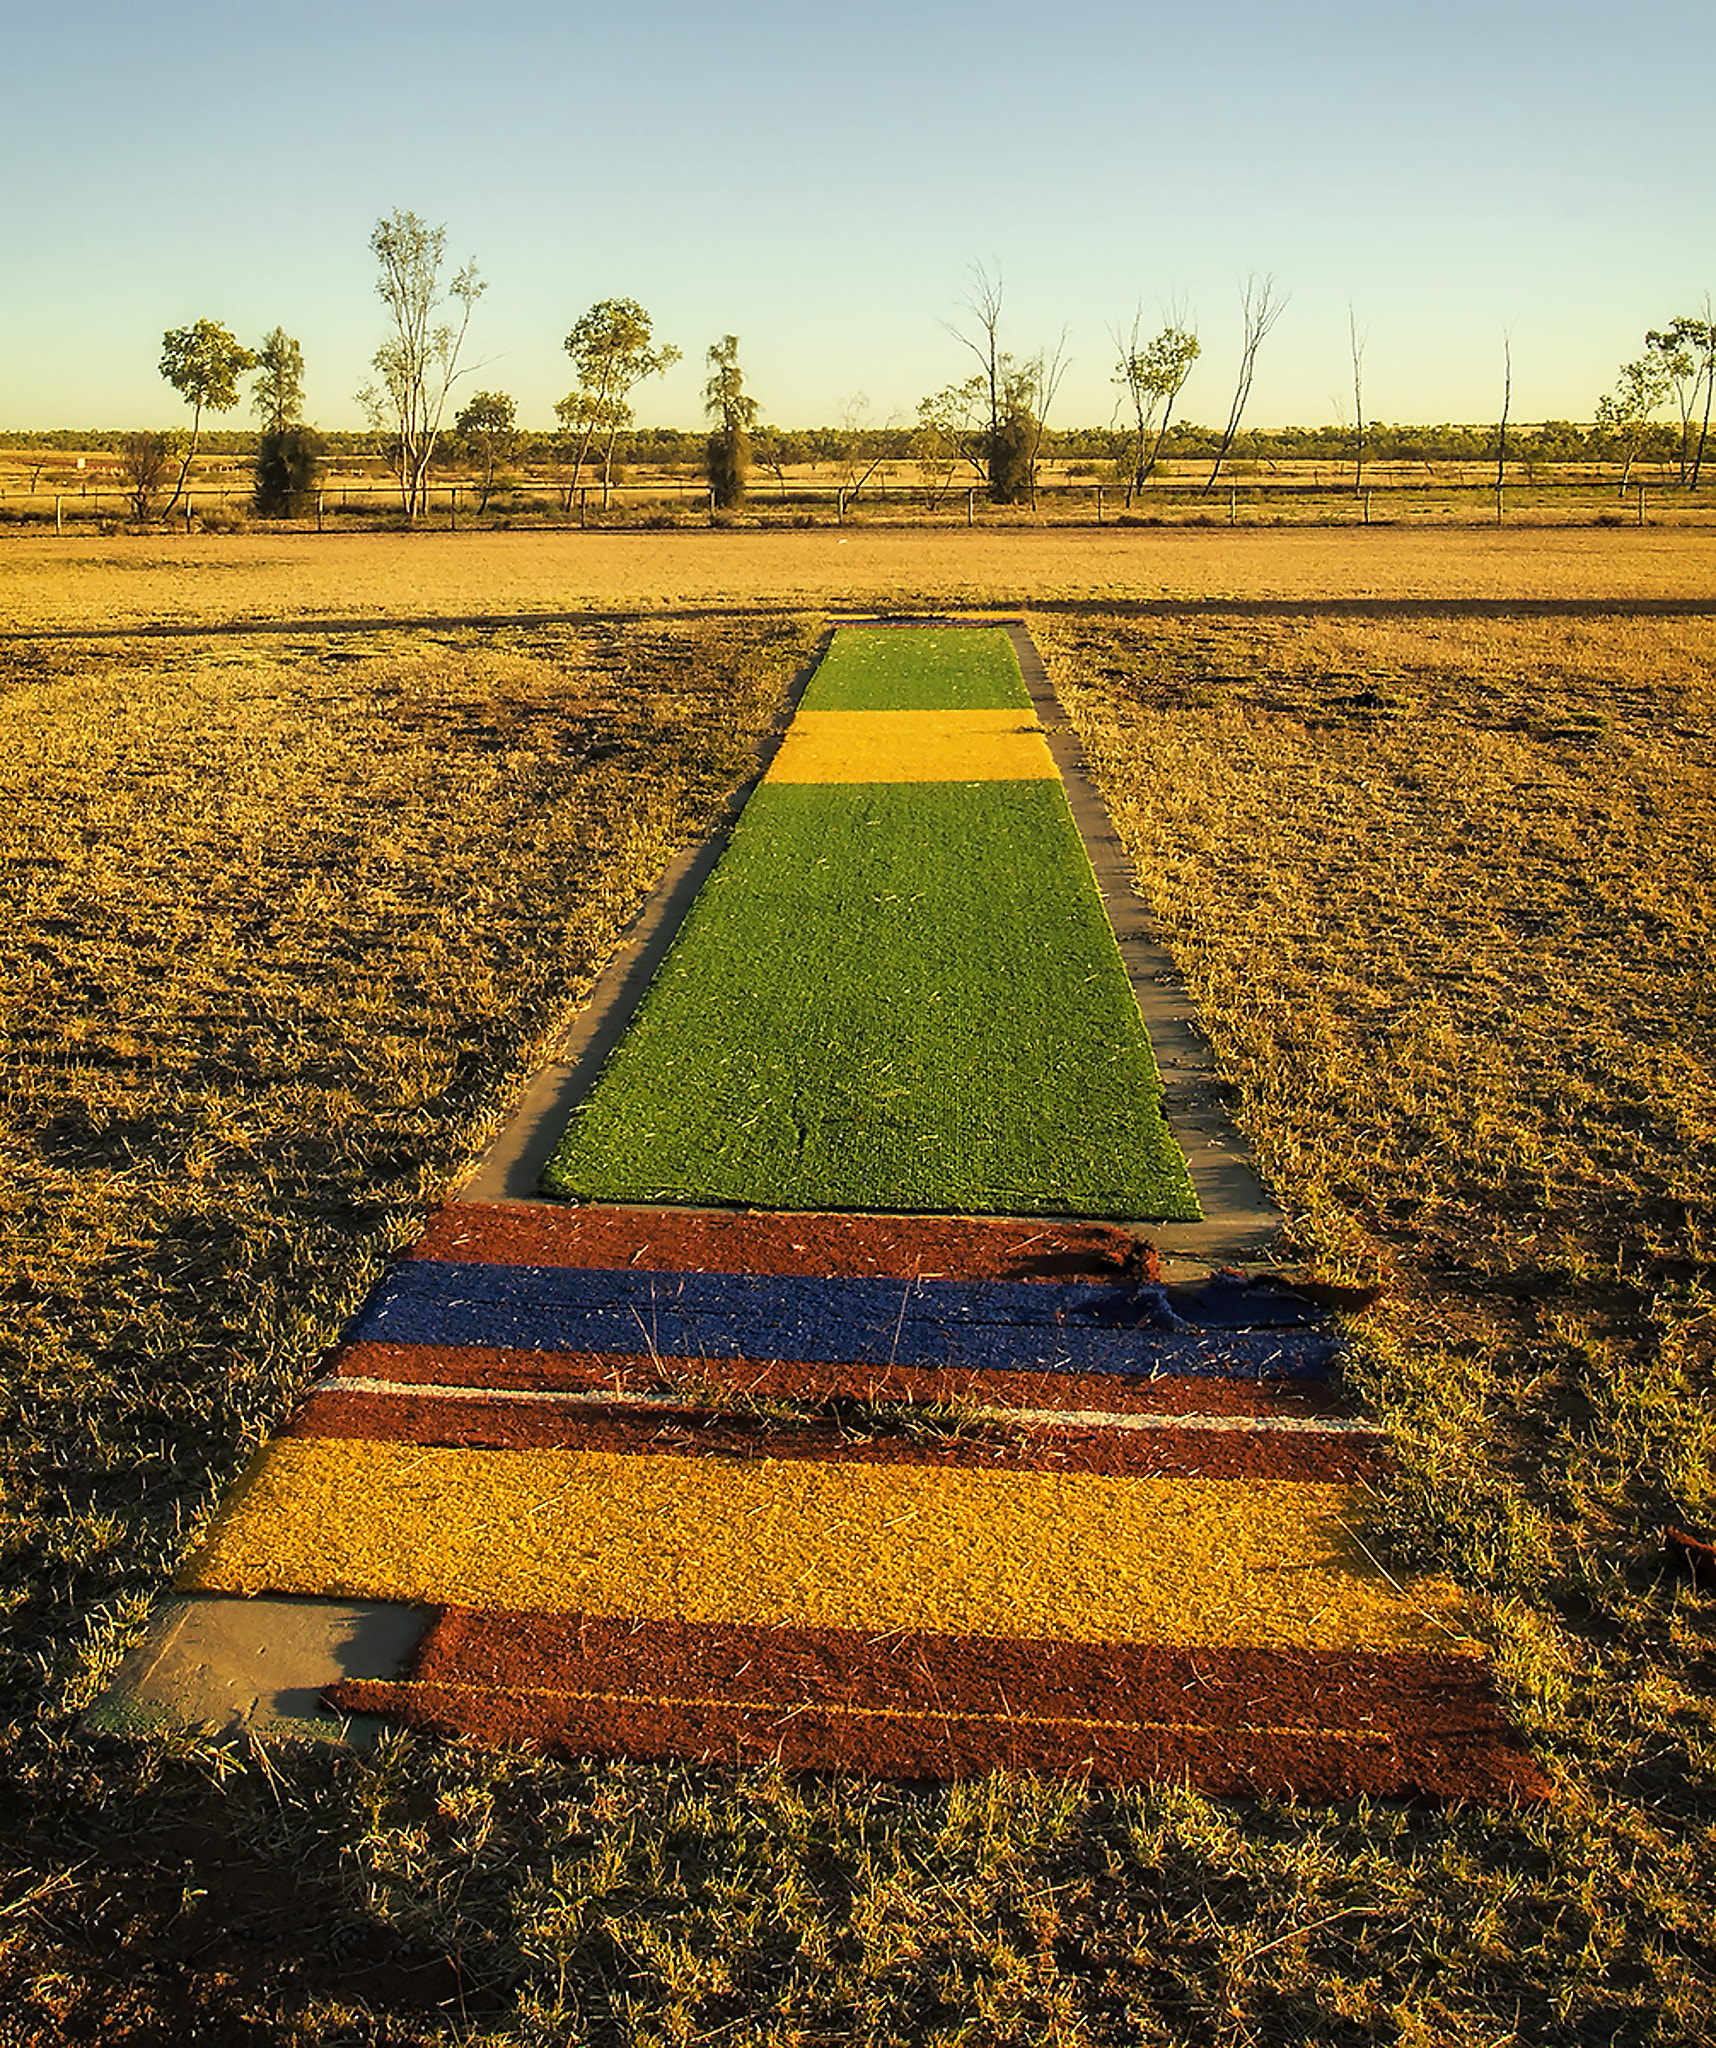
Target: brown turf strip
pixel 472 1424
pixel 809 1245
pixel 789 1380
pixel 1236 1722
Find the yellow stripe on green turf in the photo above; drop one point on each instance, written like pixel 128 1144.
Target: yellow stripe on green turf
pixel 800 1544
pixel 914 746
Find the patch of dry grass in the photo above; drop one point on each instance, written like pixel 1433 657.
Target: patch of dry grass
pixel 1440 879
pixel 286 923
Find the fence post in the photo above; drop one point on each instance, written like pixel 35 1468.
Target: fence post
pixel 1232 505
pixel 453 509
pixel 1099 504
pixel 1498 504
pixel 59 516
pixel 711 505
pixel 1641 504
pixel 971 508
pixel 840 507
pixel 583 509
pixel 1367 508
pixel 318 511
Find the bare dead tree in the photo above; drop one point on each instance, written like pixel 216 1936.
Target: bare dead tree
pixel 1048 370
pixel 1259 311
pixel 1507 401
pixel 983 302
pixel 1357 341
pixel 1708 344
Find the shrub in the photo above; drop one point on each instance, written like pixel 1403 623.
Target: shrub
pixel 288 472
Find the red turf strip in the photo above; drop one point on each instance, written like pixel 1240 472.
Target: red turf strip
pixel 825 1247
pixel 476 1424
pixel 788 1380
pixel 1235 1722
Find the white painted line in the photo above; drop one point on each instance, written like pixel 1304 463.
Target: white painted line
pixel 1063 1418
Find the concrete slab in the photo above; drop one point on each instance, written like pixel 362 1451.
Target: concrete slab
pixel 1242 1223
pixel 234 1667
pixel 226 1668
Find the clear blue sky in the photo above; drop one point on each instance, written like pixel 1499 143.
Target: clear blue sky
pixel 818 179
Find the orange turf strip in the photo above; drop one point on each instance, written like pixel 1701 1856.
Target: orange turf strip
pixel 789 1380
pixel 814 1246
pixel 1236 1722
pixel 914 746
pixel 519 1425
pixel 1170 1559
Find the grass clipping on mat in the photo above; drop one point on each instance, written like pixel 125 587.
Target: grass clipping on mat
pixel 890 996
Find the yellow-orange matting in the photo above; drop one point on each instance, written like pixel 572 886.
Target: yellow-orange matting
pixel 914 746
pixel 791 1542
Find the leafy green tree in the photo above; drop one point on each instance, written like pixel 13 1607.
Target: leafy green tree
pixel 288 471
pixel 419 362
pixel 1153 374
pixel 953 427
pixel 950 430
pixel 611 350
pixel 1624 414
pixel 1686 353
pixel 203 363
pixel 277 396
pixel 732 415
pixel 488 430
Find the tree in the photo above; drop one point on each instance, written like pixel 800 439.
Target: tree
pixel 1624 413
pixel 1686 352
pixel 1259 311
pixel 203 363
pixel 488 428
pixel 949 431
pixel 288 471
pixel 1016 394
pixel 864 445
pixel 419 362
pixel 732 416
pixel 1153 375
pixel 1506 405
pixel 1356 342
pixel 144 460
pixel 610 349
pixel 277 396
pixel 953 427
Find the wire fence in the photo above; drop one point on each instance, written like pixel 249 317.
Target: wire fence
pixel 465 505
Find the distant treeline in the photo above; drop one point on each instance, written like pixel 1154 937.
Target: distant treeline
pixel 787 447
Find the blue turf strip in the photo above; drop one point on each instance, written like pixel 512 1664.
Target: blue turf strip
pixel 986 1326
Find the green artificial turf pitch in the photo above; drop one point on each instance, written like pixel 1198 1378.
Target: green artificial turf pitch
pixel 918 668
pixel 889 996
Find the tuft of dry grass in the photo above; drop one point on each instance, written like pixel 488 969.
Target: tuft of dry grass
pixel 1437 868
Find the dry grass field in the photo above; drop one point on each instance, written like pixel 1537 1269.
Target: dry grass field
pixel 1427 821
pixel 79 585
